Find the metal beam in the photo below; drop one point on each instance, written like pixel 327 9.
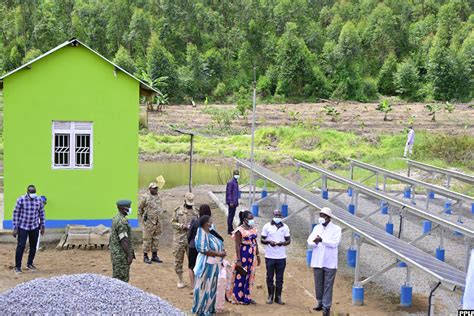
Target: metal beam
pixel 430 168
pixel 428 186
pixel 453 225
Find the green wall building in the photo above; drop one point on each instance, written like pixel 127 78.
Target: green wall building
pixel 71 129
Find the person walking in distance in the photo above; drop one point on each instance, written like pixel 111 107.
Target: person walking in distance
pixel 275 237
pixel 181 223
pixel 28 223
pixel 149 211
pixel 324 239
pixel 232 200
pixel 410 142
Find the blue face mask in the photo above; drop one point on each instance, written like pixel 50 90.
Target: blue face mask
pixel 251 222
pixel 277 220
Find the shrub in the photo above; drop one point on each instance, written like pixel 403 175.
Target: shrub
pixel 264 86
pixel 244 101
pixel 386 84
pixel 384 107
pixel 406 80
pixel 220 91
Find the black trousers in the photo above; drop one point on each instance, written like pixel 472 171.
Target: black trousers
pixel 23 234
pixel 230 218
pixel 275 267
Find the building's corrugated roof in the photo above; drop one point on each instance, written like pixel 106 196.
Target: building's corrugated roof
pixel 75 41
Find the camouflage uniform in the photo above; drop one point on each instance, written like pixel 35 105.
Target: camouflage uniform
pixel 120 229
pixel 150 208
pixel 181 221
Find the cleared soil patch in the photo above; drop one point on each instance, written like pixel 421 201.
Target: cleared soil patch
pixel 161 279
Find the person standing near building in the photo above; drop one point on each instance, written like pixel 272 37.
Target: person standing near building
pixel 149 212
pixel 324 239
pixel 232 200
pixel 28 223
pixel 121 245
pixel 275 237
pixel 410 142
pixel 181 223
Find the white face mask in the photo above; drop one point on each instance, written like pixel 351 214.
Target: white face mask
pixel 321 220
pixel 32 195
pixel 251 222
pixel 212 227
pixel 129 210
pixel 277 220
pixel 236 177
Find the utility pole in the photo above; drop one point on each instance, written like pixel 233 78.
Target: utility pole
pixel 251 182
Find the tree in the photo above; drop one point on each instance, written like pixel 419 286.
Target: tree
pixel 407 80
pixel 160 63
pixel 385 80
pixel 139 33
pixel 123 59
pixel 30 55
pixel 432 109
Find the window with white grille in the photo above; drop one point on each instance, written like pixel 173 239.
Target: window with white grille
pixel 72 145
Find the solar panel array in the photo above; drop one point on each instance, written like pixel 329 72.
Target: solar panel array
pixel 440 270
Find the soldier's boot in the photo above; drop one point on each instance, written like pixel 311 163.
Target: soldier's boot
pixel 278 299
pixel 271 292
pixel 155 258
pixel 146 259
pixel 180 281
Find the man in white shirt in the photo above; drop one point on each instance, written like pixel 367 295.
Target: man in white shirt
pixel 324 239
pixel 410 142
pixel 275 238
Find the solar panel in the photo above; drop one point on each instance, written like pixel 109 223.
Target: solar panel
pixel 442 271
pixel 454 225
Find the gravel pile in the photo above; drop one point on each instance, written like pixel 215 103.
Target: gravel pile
pixel 86 294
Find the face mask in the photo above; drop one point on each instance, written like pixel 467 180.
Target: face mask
pixel 277 220
pixel 321 220
pixel 236 177
pixel 129 211
pixel 212 227
pixel 32 195
pixel 251 222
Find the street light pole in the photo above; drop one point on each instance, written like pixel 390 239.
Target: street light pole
pixel 251 182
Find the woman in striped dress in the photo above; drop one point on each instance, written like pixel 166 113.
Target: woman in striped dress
pixel 206 271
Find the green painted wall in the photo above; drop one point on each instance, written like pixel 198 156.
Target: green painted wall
pixel 71 84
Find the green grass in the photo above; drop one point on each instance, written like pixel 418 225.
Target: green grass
pixel 325 147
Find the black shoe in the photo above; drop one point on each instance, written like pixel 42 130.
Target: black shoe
pixel 146 259
pixel 278 299
pixel 31 267
pixel 271 292
pixel 326 312
pixel 155 258
pixel 318 308
pixel 18 271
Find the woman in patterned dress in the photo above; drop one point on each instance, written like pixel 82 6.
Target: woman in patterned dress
pixel 247 259
pixel 206 271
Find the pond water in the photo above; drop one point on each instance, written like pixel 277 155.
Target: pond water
pixel 177 173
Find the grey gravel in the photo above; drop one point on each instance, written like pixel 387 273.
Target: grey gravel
pixel 82 294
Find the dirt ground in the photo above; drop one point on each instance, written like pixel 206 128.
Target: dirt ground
pixel 355 117
pixel 160 279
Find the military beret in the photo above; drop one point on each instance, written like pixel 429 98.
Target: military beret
pixel 125 203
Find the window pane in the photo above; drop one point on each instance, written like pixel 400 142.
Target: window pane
pixel 61 150
pixel 83 150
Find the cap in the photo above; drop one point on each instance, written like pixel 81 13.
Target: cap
pixel 327 211
pixel 189 198
pixel 125 203
pixel 153 185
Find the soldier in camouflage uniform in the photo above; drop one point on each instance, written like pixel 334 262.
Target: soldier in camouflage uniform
pixel 149 212
pixel 181 222
pixel 121 246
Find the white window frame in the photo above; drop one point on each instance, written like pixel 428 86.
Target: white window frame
pixel 74 128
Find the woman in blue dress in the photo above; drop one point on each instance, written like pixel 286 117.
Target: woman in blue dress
pixel 210 254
